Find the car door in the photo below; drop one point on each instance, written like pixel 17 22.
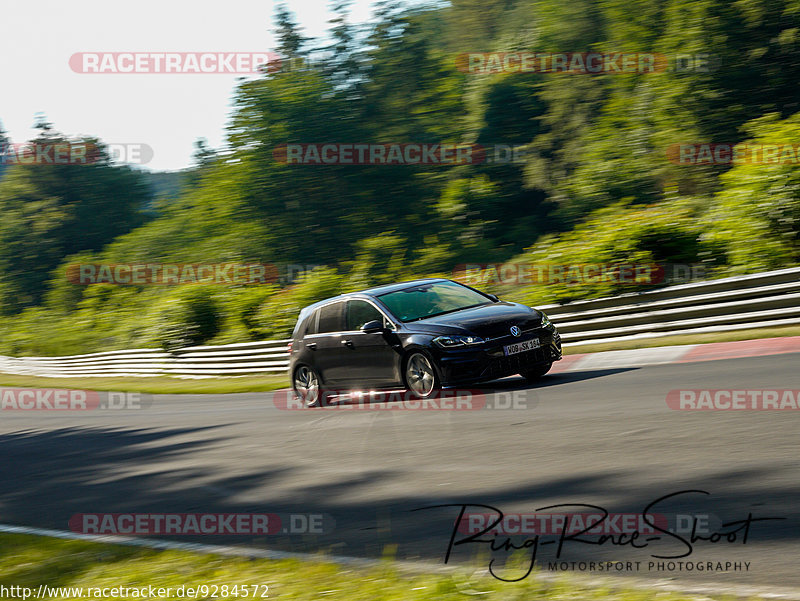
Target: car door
pixel 371 358
pixel 324 344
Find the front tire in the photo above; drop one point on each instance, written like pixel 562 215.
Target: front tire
pixel 420 376
pixel 307 387
pixel 536 372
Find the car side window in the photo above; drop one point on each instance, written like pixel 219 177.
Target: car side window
pixel 330 318
pixel 311 323
pixel 360 312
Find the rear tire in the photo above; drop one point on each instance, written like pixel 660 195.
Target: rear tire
pixel 307 387
pixel 536 372
pixel 420 376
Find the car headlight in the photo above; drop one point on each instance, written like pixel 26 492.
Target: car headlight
pixel 456 341
pixel 546 323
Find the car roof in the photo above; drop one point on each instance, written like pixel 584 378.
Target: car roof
pixel 378 290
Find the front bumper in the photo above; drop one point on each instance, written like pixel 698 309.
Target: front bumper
pixel 488 361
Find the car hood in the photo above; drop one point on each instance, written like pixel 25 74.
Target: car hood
pixel 487 321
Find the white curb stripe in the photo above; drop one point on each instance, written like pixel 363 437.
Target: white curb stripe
pixel 631 358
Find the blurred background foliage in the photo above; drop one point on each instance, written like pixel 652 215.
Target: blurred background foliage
pixel 595 185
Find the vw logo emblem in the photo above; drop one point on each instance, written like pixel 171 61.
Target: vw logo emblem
pixel 515 331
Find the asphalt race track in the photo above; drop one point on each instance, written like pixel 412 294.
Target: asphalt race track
pixel 605 438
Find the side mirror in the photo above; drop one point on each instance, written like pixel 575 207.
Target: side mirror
pixel 372 327
pixel 493 297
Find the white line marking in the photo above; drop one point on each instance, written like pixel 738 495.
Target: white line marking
pixel 152 543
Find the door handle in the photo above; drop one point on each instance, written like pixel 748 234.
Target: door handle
pixel 347 342
pixel 311 345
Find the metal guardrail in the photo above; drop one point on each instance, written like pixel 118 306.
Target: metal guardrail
pixel 196 361
pixel 745 302
pixel 756 301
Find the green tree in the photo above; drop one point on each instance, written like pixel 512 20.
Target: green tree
pixel 757 210
pixel 50 211
pixel 290 40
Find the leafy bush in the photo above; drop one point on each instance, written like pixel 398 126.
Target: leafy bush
pixel 620 234
pixel 191 318
pixel 757 213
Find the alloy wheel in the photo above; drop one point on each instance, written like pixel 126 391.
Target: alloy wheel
pixel 306 386
pixel 420 377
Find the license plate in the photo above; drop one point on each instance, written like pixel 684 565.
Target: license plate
pixel 521 347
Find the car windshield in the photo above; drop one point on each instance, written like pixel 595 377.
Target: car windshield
pixel 429 300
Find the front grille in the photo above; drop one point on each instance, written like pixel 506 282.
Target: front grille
pixel 513 364
pixel 507 338
pixel 506 335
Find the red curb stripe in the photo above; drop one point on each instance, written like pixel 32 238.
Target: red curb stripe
pixel 742 348
pixel 567 362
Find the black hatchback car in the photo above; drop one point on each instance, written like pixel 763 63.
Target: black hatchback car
pixel 421 335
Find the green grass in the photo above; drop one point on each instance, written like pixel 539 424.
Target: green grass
pixel 29 561
pixel 156 385
pixel 684 339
